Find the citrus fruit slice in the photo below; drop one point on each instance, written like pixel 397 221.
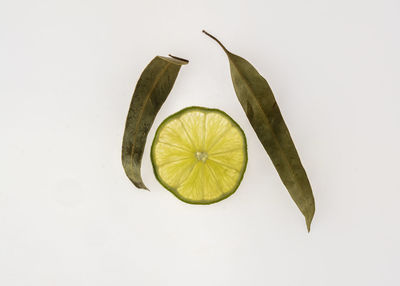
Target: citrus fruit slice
pixel 200 155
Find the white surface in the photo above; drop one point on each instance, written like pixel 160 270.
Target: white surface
pixel 69 215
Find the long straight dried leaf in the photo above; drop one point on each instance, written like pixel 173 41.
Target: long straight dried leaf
pixel 259 103
pixel 151 91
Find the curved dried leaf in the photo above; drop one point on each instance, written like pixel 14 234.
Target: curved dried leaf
pixel 151 91
pixel 259 103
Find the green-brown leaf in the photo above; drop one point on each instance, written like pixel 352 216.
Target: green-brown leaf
pixel 151 91
pixel 259 103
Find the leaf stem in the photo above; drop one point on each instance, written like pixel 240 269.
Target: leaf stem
pixel 215 39
pixel 178 58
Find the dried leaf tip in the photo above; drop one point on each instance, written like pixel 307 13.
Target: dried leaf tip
pixel 178 58
pixel 215 39
pixel 308 222
pixel 309 218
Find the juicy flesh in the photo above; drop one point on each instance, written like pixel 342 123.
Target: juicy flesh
pixel 200 155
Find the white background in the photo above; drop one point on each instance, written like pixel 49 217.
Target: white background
pixel 70 216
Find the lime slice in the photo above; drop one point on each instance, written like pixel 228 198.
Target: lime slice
pixel 200 155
